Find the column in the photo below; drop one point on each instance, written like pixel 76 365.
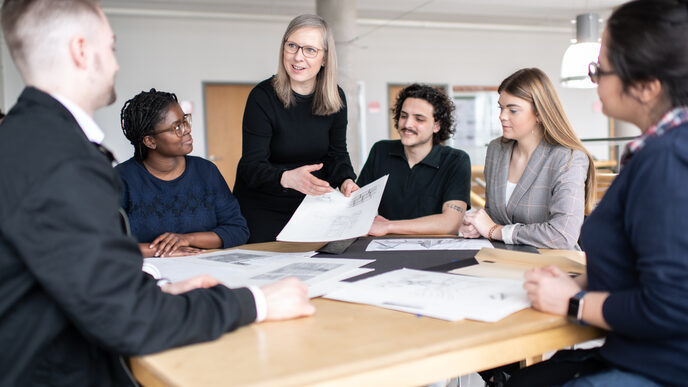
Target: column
pixel 341 16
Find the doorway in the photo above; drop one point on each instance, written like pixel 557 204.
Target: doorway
pixel 224 112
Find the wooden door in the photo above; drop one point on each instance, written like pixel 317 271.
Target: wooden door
pixel 392 93
pixel 224 111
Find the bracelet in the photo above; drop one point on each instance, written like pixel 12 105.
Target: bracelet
pixel 492 229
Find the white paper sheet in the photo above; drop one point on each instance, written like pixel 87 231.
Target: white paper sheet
pixel 247 259
pixel 333 216
pixel 313 272
pixel 427 244
pixel 440 295
pixel 323 287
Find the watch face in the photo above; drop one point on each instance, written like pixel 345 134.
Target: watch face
pixel 574 304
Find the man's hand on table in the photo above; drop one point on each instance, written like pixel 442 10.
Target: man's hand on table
pixel 287 299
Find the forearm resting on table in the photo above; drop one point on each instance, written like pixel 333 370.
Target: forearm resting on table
pixel 444 223
pixel 204 240
pixel 198 240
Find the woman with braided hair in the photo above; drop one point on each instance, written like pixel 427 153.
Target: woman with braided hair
pixel 177 204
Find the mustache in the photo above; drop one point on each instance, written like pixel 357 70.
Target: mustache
pixel 408 130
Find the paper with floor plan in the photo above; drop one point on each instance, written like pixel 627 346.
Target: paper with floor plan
pixel 248 259
pixel 440 295
pixel 427 244
pixel 333 216
pixel 321 271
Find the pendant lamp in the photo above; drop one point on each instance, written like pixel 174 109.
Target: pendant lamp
pixel 586 49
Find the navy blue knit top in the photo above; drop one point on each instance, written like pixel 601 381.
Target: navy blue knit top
pixel 197 201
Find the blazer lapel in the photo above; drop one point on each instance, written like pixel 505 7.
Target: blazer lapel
pixel 528 178
pixel 502 175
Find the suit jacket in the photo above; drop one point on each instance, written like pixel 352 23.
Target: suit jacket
pixel 548 203
pixel 72 293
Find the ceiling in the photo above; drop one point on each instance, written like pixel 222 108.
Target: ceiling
pixel 551 13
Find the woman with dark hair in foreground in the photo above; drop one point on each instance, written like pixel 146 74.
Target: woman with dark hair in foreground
pixel 636 285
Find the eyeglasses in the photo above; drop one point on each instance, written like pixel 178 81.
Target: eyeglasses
pixel 179 129
pixel 308 51
pixel 594 72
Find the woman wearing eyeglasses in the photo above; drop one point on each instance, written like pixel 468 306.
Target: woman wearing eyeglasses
pixel 540 179
pixel 177 204
pixel 294 132
pixel 635 240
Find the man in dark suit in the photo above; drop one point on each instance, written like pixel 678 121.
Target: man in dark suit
pixel 73 298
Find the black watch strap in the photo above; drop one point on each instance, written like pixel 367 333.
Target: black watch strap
pixel 575 310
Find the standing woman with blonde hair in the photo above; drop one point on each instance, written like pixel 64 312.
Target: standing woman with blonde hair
pixel 539 178
pixel 294 132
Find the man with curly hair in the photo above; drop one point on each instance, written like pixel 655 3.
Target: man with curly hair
pixel 428 188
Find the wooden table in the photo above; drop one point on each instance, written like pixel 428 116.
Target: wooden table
pixel 357 345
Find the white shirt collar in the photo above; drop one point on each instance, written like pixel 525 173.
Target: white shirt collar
pixel 85 121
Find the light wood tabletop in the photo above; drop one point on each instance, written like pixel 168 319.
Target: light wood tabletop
pixel 347 344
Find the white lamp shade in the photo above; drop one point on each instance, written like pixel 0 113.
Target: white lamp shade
pixel 574 66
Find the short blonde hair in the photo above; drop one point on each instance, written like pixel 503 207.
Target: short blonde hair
pixel 32 28
pixel 533 85
pixel 326 100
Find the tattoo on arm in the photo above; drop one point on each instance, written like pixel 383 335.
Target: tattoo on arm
pixel 455 207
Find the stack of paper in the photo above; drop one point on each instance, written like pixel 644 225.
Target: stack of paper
pixel 236 268
pixel 440 295
pixel 499 263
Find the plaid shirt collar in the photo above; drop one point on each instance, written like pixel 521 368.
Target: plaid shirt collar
pixel 671 119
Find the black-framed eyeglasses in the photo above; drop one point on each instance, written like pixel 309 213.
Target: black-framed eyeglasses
pixel 595 72
pixel 308 51
pixel 180 129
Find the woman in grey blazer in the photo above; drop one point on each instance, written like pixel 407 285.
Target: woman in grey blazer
pixel 540 179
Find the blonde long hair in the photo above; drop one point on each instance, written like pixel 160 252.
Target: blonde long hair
pixel 326 100
pixel 533 85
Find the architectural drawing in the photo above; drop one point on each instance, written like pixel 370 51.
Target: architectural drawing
pixel 427 244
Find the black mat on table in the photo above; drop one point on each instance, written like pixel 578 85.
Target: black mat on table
pixel 433 260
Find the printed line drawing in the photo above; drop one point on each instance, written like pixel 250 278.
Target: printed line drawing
pixel 427 244
pixel 302 270
pixel 363 197
pixel 232 257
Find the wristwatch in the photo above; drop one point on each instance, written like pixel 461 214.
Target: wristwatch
pixel 575 312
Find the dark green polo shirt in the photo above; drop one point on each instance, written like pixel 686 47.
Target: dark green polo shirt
pixel 443 175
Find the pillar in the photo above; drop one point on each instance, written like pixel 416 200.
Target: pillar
pixel 341 17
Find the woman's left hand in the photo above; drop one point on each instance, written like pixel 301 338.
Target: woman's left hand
pixel 480 220
pixel 166 244
pixel 549 289
pixel 347 187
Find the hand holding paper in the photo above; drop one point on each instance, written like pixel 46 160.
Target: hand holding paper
pixel 333 216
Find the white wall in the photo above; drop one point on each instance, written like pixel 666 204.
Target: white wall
pixel 178 54
pixel 468 58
